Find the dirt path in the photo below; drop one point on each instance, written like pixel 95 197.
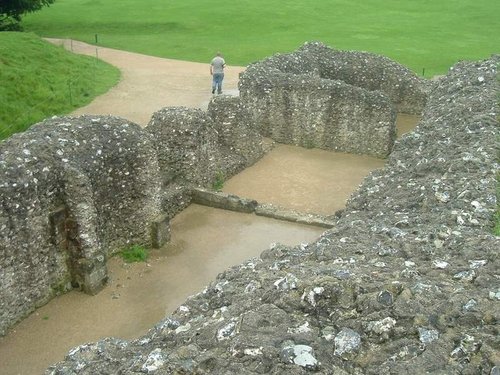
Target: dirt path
pixel 149 83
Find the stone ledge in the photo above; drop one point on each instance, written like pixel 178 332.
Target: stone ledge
pixel 280 213
pixel 222 200
pixel 232 202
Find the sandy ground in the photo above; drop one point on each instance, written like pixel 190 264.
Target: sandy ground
pixel 149 83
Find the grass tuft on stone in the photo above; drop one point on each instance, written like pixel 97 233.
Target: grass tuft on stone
pixel 134 253
pixel 218 183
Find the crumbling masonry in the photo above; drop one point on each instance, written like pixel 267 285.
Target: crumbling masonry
pixel 406 281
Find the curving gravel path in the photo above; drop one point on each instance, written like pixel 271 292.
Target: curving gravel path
pixel 149 83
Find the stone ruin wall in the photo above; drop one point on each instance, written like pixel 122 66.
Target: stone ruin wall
pixel 405 283
pixel 84 188
pixel 74 190
pixel 71 189
pixel 330 99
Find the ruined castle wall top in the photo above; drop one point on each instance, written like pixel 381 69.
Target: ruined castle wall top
pixel 406 282
pixel 317 97
pixel 367 70
pixel 194 146
pixel 72 190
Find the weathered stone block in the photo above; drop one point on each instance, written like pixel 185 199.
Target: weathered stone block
pixel 280 213
pixel 160 231
pixel 223 200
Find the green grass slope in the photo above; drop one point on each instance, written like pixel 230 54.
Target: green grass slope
pixel 39 80
pixel 419 34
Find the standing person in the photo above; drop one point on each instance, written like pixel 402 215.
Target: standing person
pixel 217 71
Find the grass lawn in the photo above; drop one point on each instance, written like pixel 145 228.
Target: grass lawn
pixel 421 34
pixel 39 80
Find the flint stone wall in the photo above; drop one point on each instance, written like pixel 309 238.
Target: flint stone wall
pixel 405 283
pixel 74 190
pixel 197 147
pixel 337 100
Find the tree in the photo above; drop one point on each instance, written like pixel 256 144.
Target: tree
pixel 11 11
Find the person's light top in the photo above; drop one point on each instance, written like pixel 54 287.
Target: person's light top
pixel 218 64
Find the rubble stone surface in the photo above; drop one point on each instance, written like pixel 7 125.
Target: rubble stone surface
pixel 74 190
pixel 330 99
pixel 405 283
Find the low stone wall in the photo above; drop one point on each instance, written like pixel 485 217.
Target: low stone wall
pixel 232 202
pixel 329 99
pixel 197 147
pixel 405 283
pixel 236 130
pixel 74 190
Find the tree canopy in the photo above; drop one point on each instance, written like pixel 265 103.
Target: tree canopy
pixel 11 11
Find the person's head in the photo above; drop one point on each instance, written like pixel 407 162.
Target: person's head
pixel 219 54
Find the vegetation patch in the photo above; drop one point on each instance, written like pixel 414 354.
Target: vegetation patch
pixel 218 184
pixel 247 31
pixel 134 253
pixel 39 80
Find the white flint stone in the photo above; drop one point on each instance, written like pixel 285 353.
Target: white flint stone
pixel 220 285
pixel 303 356
pixel 304 328
pixel 494 295
pixel 441 264
pixel 318 290
pixel 184 328
pixel 442 197
pixel 286 283
pixel 382 326
pixel 226 331
pixel 476 205
pixel 252 351
pixel 465 275
pixel 474 264
pixel 154 361
pixel 438 243
pixel 470 305
pixel 427 336
pixel 346 341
